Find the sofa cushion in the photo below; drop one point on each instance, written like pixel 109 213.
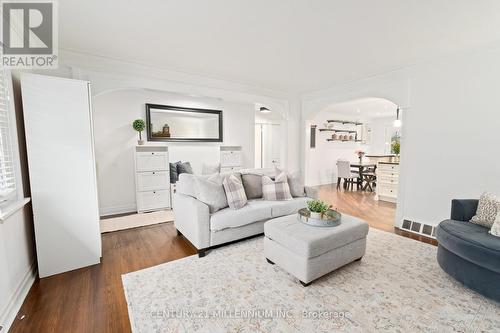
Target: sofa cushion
pixel 495 228
pixel 174 175
pixel 184 167
pixel 211 192
pixel 281 208
pixel 295 183
pixel 253 211
pixel 276 190
pixel 253 185
pixel 487 210
pixel 471 242
pixel 235 193
pixel 185 185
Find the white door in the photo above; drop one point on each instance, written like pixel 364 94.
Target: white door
pixel 58 126
pixel 267 145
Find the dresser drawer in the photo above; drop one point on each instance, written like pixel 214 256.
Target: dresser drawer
pixel 230 158
pixel 152 161
pixel 232 169
pixel 387 179
pixel 149 200
pixel 153 180
pixel 387 190
pixel 382 167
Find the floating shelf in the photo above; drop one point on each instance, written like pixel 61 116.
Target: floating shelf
pixel 344 140
pixel 336 130
pixel 343 122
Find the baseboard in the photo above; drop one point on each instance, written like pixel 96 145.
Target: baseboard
pixel 114 210
pixel 10 312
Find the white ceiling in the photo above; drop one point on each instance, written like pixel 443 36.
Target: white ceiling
pixel 361 109
pixel 292 46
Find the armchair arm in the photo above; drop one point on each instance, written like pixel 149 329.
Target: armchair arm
pixel 463 209
pixel 192 219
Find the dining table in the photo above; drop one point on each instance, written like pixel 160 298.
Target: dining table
pixel 361 167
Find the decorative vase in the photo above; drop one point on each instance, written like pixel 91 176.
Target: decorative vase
pixel 315 215
pixel 140 142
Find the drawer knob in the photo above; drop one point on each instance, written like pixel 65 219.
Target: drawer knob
pixel 152 153
pixel 154 192
pixel 153 172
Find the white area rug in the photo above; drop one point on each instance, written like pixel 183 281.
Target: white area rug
pixel 136 220
pixel 396 287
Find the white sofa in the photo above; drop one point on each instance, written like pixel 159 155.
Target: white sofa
pixel 193 220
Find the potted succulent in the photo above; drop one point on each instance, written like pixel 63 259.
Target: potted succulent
pixel 317 208
pixel 139 125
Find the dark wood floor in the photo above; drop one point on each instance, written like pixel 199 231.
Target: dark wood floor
pixel 92 299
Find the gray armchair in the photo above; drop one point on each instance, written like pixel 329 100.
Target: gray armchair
pixel 467 252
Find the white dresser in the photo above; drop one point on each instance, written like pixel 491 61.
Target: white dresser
pixel 152 178
pixel 231 158
pixel 387 181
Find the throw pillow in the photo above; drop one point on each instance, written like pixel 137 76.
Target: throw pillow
pixel 276 190
pixel 235 193
pixel 487 210
pixel 252 184
pixel 294 182
pixel 174 175
pixel 184 168
pixel 211 192
pixel 495 228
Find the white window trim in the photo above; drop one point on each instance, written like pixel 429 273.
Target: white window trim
pixel 19 201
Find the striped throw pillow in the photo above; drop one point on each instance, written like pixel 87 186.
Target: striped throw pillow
pixel 277 190
pixel 235 193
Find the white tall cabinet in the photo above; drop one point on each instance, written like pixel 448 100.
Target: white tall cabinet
pixel 59 140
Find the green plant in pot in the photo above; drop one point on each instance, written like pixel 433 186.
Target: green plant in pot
pixel 317 208
pixel 139 125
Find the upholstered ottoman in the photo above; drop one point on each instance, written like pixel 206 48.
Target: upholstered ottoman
pixel 309 252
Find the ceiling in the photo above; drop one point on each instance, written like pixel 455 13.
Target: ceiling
pixel 292 46
pixel 363 109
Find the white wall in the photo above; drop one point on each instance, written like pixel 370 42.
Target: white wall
pixel 17 261
pixel 322 160
pixel 17 247
pixel 115 139
pixel 450 139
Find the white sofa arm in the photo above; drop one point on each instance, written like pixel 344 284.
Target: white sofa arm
pixel 192 219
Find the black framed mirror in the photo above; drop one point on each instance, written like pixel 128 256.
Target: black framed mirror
pixel 174 123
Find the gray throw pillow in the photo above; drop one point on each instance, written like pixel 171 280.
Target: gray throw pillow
pixel 174 175
pixel 211 192
pixel 487 210
pixel 295 183
pixel 235 193
pixel 276 190
pixel 184 168
pixel 252 184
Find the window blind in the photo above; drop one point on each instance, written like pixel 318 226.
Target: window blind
pixel 7 172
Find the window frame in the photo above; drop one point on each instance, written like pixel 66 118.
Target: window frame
pixel 15 200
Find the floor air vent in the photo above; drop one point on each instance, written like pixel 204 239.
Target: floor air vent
pixel 419 228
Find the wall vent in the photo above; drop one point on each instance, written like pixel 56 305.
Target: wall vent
pixel 419 228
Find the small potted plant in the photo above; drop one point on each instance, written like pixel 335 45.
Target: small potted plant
pixel 139 125
pixel 360 154
pixel 317 208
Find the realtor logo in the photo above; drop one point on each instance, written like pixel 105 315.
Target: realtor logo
pixel 29 34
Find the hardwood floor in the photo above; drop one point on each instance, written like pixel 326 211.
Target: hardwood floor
pixel 92 300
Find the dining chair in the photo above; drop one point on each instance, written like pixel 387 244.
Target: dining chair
pixel 344 172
